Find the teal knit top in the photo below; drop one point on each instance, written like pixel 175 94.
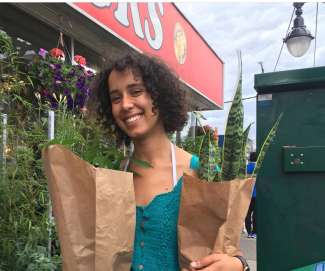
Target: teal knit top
pixel 155 242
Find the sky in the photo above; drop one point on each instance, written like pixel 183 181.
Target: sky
pixel 257 30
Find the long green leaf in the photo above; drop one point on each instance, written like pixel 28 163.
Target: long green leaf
pixel 140 162
pixel 69 141
pixel 265 147
pixel 198 115
pixel 234 131
pixel 204 157
pixel 48 143
pixel 212 162
pixel 242 168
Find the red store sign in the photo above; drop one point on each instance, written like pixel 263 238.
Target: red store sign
pixel 160 29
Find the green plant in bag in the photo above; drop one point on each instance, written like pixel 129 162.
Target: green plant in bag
pixel 235 141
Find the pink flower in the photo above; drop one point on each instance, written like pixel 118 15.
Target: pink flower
pixel 40 75
pixel 42 52
pixel 46 91
pixel 28 64
pixel 52 66
pixel 86 74
pixel 39 87
pixel 58 81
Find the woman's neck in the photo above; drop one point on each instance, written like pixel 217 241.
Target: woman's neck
pixel 151 149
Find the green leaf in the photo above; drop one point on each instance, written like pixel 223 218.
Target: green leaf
pixel 204 164
pixel 140 162
pixel 212 162
pixel 49 143
pixel 234 131
pixel 198 115
pixel 69 141
pixel 30 80
pixel 265 147
pixel 242 168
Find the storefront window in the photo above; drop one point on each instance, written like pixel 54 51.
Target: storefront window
pixel 92 58
pixel 28 35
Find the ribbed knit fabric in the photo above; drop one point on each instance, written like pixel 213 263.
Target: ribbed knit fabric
pixel 155 243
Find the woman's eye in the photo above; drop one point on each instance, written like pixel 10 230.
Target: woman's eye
pixel 115 99
pixel 137 92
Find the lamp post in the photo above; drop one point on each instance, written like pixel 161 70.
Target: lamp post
pixel 261 63
pixel 299 38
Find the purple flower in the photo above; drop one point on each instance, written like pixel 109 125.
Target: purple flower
pixel 58 67
pixel 78 85
pixel 42 94
pixel 89 78
pixel 89 72
pixel 40 75
pixel 66 92
pixel 28 64
pixel 73 70
pixel 54 105
pixel 36 100
pixel 68 81
pixel 42 52
pixel 70 102
pixel 55 86
pixel 80 67
pixel 88 65
pixel 52 66
pixel 49 96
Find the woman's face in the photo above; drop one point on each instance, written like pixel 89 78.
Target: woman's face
pixel 132 105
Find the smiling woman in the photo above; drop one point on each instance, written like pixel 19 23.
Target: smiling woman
pixel 144 75
pixel 140 98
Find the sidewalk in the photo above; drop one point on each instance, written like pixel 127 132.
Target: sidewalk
pixel 248 247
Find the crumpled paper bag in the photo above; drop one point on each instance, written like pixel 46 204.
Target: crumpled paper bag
pixel 211 216
pixel 94 211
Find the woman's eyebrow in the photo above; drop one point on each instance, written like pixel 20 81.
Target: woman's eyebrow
pixel 113 91
pixel 135 85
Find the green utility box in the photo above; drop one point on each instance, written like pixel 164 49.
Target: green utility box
pixel 313 267
pixel 291 181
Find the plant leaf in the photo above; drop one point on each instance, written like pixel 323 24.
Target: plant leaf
pixel 204 158
pixel 234 131
pixel 212 162
pixel 140 162
pixel 265 147
pixel 242 168
pixel 198 115
pixel 48 143
pixel 69 141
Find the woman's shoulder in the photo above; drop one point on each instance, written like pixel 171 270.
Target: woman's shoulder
pixel 187 158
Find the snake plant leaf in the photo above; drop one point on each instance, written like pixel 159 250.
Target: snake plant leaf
pixel 265 147
pixel 198 115
pixel 234 131
pixel 212 162
pixel 204 157
pixel 242 168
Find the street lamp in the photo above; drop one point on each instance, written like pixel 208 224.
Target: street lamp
pixel 299 38
pixel 261 63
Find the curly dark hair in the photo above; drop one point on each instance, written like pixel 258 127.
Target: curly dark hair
pixel 160 82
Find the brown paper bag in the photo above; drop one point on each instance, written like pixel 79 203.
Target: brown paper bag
pixel 211 216
pixel 94 211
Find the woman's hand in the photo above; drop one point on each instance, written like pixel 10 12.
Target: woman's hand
pixel 217 262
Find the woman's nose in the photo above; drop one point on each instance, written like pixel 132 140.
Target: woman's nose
pixel 127 103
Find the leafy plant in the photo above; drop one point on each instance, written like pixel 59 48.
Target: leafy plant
pixel 235 141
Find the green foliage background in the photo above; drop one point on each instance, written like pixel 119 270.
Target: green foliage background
pixel 24 198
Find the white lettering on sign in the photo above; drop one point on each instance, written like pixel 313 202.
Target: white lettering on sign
pixel 121 16
pixel 265 97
